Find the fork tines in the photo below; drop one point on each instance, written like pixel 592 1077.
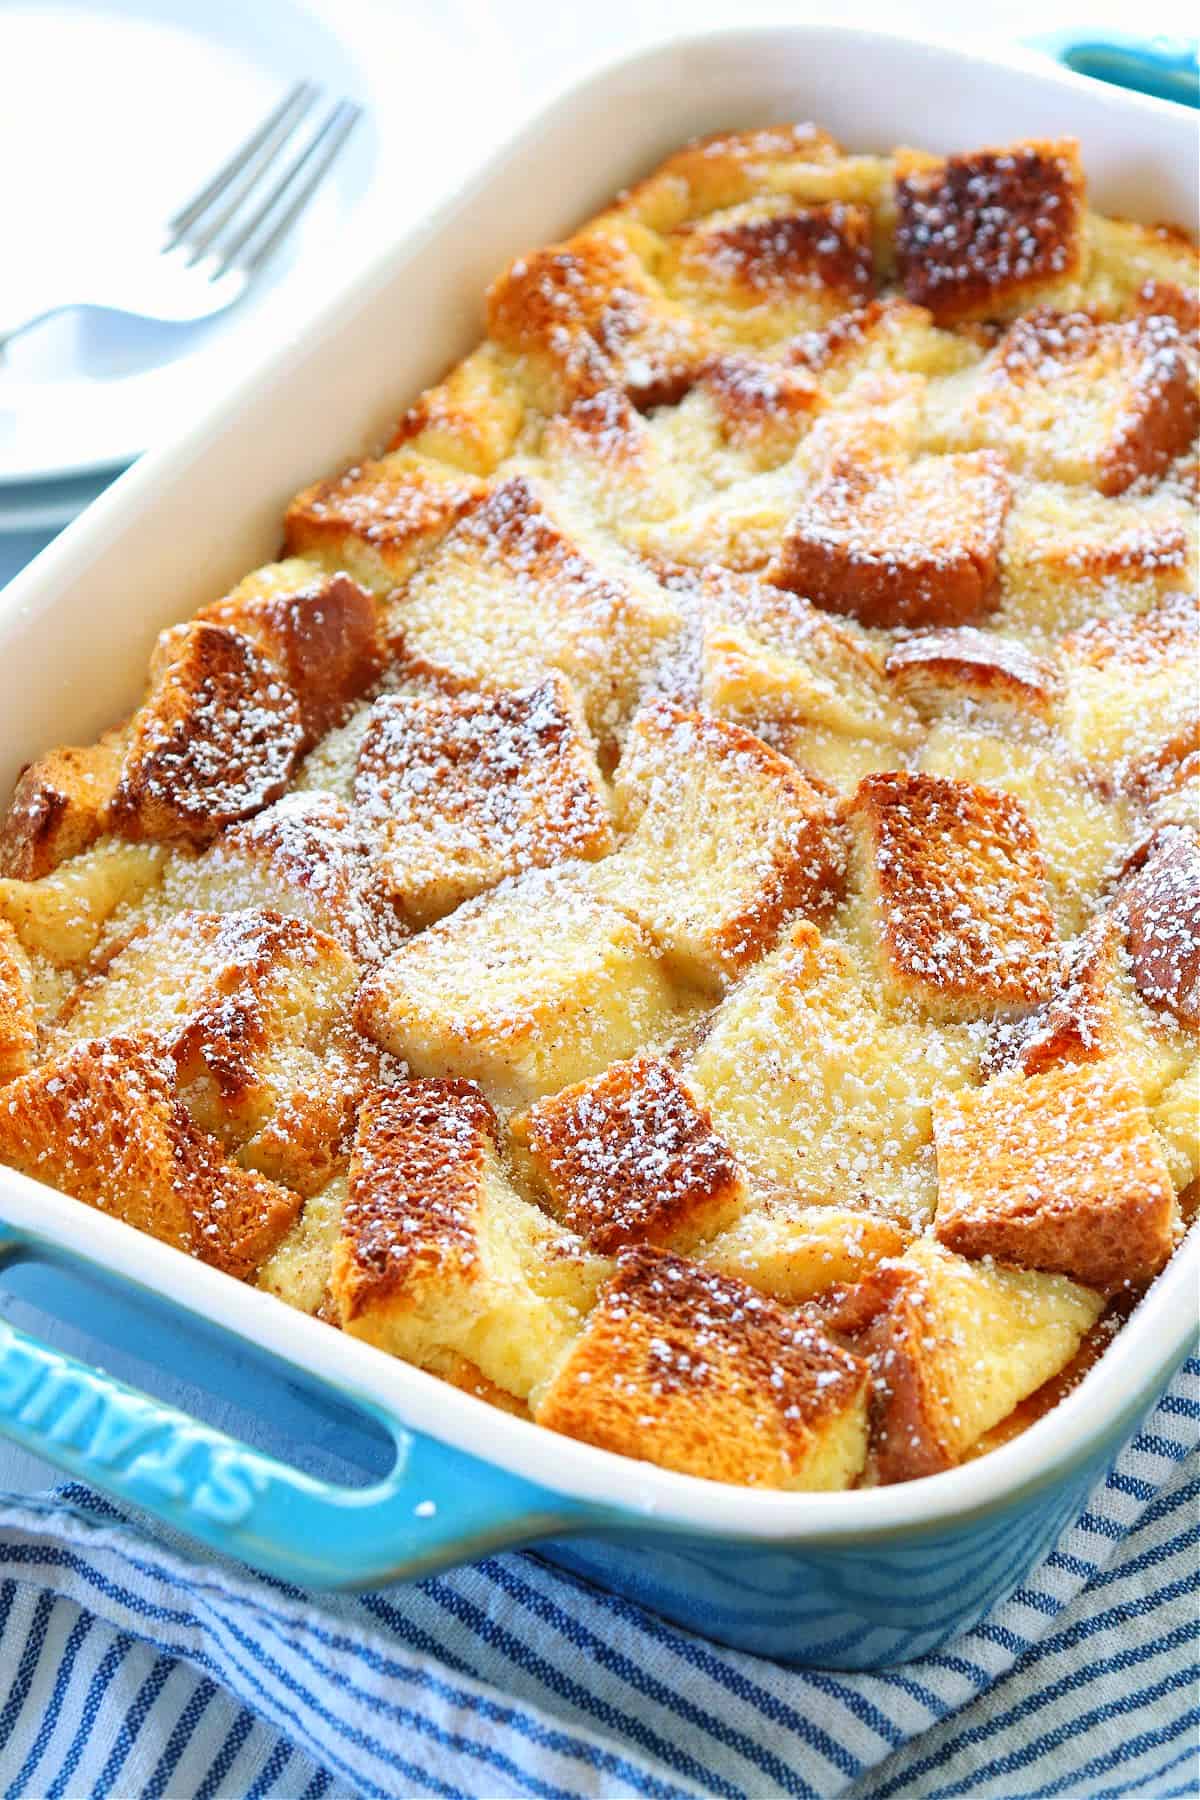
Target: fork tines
pixel 240 217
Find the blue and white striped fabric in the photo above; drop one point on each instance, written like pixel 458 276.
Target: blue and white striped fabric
pixel 132 1672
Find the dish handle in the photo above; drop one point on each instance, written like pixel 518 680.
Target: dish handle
pixel 1166 67
pixel 436 1506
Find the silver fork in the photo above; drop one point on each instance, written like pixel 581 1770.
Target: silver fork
pixel 222 238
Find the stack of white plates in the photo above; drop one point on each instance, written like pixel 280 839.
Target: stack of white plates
pixel 153 96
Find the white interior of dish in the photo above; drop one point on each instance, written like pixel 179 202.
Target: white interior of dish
pixel 76 628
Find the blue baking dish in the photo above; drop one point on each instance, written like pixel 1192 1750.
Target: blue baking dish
pixel 417 1475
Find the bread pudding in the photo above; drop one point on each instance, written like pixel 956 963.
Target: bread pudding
pixel 674 905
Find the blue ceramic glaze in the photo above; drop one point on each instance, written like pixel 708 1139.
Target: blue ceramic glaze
pixel 848 1605
pixel 1166 67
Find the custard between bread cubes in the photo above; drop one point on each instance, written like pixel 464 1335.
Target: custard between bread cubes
pixel 676 904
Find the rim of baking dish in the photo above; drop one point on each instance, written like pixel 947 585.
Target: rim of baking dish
pixel 1095 1416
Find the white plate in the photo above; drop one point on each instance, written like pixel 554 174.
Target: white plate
pixel 112 113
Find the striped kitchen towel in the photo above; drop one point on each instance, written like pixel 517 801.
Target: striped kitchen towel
pixel 131 1671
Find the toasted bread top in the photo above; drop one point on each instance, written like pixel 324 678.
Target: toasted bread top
pixel 955 882
pixel 632 1157
pixel 976 234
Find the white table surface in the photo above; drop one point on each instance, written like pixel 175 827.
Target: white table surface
pixel 538 46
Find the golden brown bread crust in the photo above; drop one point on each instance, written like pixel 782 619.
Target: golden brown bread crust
pixel 771 260
pixel 510 594
pixel 323 638
pixel 217 739
pixel 952 1347
pixel 590 312
pixel 723 839
pixel 462 790
pixel 1161 904
pixel 376 518
pixel 439 1259
pixel 251 1007
pixel 914 543
pixel 700 1373
pixel 60 806
pixel 977 234
pixel 935 669
pixel 104 1123
pixel 631 1158
pixel 762 406
pixel 1014 1184
pixel 415 1176
pixel 309 856
pixel 1139 369
pixel 956 887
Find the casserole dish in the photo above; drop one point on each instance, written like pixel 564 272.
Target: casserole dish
pixel 855 1579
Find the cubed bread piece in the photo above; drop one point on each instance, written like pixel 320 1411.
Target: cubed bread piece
pixel 62 915
pixel 513 592
pixel 298 1270
pixel 727 167
pixel 1071 555
pixel 60 806
pixel 953 1346
pixel 760 407
pixel 1168 783
pixel 631 1157
pixel 460 791
pixel 1081 831
pixel 887 336
pixel 1133 267
pixel 611 463
pixel 472 418
pixel 819 1092
pixel 1060 1171
pixel 439 1255
pixel 305 1141
pixel 104 1123
pixel 1133 687
pixel 954 890
pixel 899 542
pixel 938 671
pixel 724 839
pixel 321 632
pixel 1097 1012
pixel 1072 399
pixel 689 1369
pixel 980 235
pixel 216 740
pixel 377 519
pixel 18 1022
pixel 532 985
pixel 764 269
pixel 738 527
pixel 244 1002
pixel 730 439
pixel 1160 901
pixel 795 1253
pixel 310 857
pixel 771 657
pixel 587 315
